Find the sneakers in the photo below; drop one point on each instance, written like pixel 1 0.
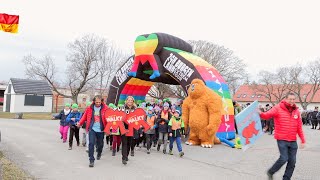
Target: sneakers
pixel 164 151
pixel 118 148
pixel 70 148
pixel 61 137
pixel 269 176
pixel 91 164
pixel 158 148
pixel 98 156
pixel 124 162
pixel 181 154
pixel 78 144
pixel 170 152
pixel 114 153
pixel 87 150
pixel 148 152
pixel 154 144
pixel 132 153
pixel 64 141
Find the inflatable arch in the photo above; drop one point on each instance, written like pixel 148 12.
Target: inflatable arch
pixel 167 59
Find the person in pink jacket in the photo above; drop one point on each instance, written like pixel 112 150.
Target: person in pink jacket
pixel 287 123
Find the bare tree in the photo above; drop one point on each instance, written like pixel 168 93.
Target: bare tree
pixel 160 91
pixel 178 91
pixel 306 76
pixel 224 60
pixel 275 86
pixel 83 59
pixel 111 59
pixel 43 68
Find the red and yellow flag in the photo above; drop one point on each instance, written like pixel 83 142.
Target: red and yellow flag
pixel 9 23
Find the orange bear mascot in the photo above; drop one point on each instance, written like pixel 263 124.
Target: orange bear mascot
pixel 201 111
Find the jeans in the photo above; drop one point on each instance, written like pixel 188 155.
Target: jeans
pixel 178 141
pixel 163 138
pixel 95 138
pixel 74 131
pixel 149 140
pixel 288 152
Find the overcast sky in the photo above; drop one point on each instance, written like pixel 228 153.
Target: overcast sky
pixel 265 35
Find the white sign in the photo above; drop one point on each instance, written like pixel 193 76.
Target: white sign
pixel 122 73
pixel 178 68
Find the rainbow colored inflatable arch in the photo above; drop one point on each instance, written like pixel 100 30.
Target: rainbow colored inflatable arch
pixel 167 59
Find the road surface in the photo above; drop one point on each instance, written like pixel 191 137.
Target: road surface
pixel 35 146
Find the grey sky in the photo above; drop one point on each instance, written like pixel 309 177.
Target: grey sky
pixel 265 34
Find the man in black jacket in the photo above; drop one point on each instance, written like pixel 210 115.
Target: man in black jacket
pixel 314 120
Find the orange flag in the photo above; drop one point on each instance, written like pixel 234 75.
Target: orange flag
pixel 9 23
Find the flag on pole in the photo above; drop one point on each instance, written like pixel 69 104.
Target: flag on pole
pixel 9 23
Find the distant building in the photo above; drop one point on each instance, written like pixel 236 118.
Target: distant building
pixel 24 95
pixel 249 93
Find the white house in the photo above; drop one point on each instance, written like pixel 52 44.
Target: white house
pixel 24 95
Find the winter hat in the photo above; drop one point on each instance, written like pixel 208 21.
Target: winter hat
pixel 166 104
pixel 67 105
pixel 111 105
pixel 150 108
pixel 178 111
pixel 157 108
pixel 75 106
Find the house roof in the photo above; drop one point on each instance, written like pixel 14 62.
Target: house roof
pixel 250 93
pixel 28 86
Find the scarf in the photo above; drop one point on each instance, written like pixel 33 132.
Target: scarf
pixel 66 112
pixel 150 115
pixel 290 107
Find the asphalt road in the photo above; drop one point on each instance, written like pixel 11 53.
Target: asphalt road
pixel 36 147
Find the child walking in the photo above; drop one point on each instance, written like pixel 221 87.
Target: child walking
pixel 73 118
pixel 116 141
pixel 64 126
pixel 162 123
pixel 150 119
pixel 176 130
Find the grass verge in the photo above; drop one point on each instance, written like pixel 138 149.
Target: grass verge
pixel 38 116
pixel 9 171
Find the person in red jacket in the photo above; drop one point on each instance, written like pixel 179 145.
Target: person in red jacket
pixel 95 119
pixel 287 123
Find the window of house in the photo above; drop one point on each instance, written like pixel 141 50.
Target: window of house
pixel 239 96
pixel 33 100
pixel 259 96
pixel 244 95
pixel 253 95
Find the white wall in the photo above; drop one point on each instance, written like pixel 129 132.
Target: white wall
pixel 17 105
pixel 5 98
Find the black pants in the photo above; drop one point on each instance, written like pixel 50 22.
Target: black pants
pixel 134 142
pixel 74 131
pixel 314 123
pixel 263 123
pixel 149 140
pixel 109 140
pixel 271 126
pixel 288 151
pixel 126 144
